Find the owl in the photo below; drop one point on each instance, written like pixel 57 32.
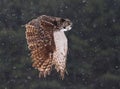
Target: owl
pixel 48 44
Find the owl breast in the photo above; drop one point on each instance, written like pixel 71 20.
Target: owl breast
pixel 60 41
pixel 60 54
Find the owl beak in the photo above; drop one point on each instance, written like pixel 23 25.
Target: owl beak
pixel 68 28
pixel 63 29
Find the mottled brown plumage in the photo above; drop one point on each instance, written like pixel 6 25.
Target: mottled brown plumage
pixel 40 35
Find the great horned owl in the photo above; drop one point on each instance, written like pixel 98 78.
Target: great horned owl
pixel 48 44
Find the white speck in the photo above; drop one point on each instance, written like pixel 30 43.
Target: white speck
pixel 113 20
pixel 14 67
pixel 3 44
pixel 61 10
pixel 84 1
pixel 116 67
pixel 83 79
pixel 101 84
pixel 29 77
pixel 94 25
pixel 66 6
pixel 91 39
pixel 25 81
pixel 105 24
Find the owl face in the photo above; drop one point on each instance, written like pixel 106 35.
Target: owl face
pixel 63 24
pixel 66 25
pixel 55 23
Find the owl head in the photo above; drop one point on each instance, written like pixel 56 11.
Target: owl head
pixel 63 24
pixel 55 23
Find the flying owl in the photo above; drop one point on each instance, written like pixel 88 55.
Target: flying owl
pixel 48 44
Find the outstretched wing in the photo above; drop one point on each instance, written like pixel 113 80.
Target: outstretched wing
pixel 41 44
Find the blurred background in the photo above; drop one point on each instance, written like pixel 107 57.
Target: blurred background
pixel 94 44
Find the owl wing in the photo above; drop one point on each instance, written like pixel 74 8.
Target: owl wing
pixel 41 44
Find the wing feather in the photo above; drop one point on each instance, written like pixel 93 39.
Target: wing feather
pixel 48 44
pixel 41 44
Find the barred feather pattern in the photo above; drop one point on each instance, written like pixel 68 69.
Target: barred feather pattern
pixel 41 46
pixel 47 44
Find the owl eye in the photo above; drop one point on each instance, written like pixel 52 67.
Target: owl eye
pixel 64 27
pixel 62 20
